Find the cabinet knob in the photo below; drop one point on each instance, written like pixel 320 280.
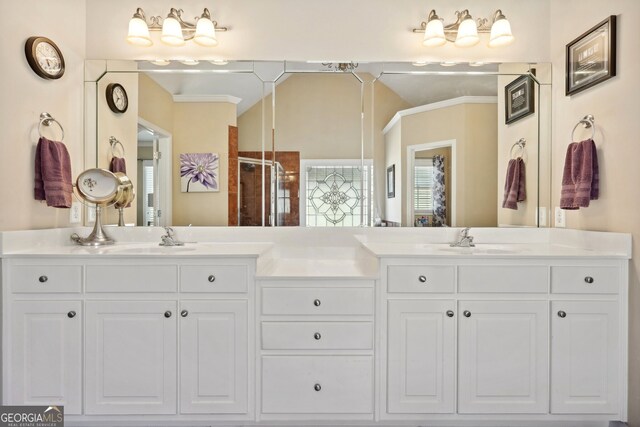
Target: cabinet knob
pixel 43 279
pixel 588 279
pixel 422 278
pixel 317 335
pixel 466 313
pixel 167 314
pixel 211 278
pixel 562 314
pixel 71 314
pixel 184 313
pixel 449 313
pixel 317 387
pixel 317 302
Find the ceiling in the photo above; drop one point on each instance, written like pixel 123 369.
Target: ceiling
pixel 243 80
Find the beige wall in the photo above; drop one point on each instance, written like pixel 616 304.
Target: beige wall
pixel 155 103
pixel 202 128
pixel 125 128
pixel 473 127
pixel 25 96
pixel 615 106
pixel 392 156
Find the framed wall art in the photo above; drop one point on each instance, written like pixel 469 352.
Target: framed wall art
pixel 518 99
pixel 591 58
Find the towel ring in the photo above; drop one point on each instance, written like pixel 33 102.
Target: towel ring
pixel 587 121
pixel 521 143
pixel 113 141
pixel 45 120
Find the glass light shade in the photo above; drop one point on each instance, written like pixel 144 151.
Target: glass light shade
pixel 138 33
pixel 467 33
pixel 434 34
pixel 172 32
pixel 205 33
pixel 500 33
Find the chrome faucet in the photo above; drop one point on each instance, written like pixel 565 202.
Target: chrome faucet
pixel 170 238
pixel 464 239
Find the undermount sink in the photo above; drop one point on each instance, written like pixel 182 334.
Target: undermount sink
pixel 480 249
pixel 152 250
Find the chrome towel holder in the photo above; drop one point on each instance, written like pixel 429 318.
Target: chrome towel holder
pixel 113 141
pixel 521 143
pixel 588 122
pixel 47 119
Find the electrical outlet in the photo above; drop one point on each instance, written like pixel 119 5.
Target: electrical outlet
pixel 75 213
pixel 91 214
pixel 542 217
pixel 560 220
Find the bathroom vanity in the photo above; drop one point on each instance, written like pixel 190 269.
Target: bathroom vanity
pixel 383 327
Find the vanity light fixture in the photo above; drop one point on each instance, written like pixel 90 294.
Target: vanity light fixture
pixel 341 66
pixel 464 32
pixel 175 30
pixel 190 62
pixel 419 63
pixel 448 64
pixel 161 62
pixel 219 62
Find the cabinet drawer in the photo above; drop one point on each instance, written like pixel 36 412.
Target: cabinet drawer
pixel 132 278
pixel 317 301
pixel 420 278
pixel 584 280
pixel 317 385
pixel 503 278
pixel 213 278
pixel 46 278
pixel 317 335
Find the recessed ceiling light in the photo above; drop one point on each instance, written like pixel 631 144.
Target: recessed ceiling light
pixel 219 62
pixel 419 63
pixel 477 64
pixel 190 62
pixel 448 63
pixel 160 62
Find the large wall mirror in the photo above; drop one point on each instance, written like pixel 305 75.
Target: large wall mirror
pixel 319 144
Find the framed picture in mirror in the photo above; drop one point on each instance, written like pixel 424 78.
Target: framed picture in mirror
pixel 518 99
pixel 591 58
pixel 391 182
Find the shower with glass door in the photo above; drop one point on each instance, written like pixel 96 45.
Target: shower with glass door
pixel 261 192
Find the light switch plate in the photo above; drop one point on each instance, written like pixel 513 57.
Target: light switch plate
pixel 75 213
pixel 560 219
pixel 542 217
pixel 91 214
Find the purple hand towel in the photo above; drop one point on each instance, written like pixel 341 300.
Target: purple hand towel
pixel 53 174
pixel 581 176
pixel 118 164
pixel 515 184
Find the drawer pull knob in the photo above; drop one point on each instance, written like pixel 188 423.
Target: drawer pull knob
pixel 167 314
pixel 562 314
pixel 317 335
pixel 422 279
pixel 588 279
pixel 71 314
pixel 317 302
pixel 43 279
pixel 317 387
pixel 184 313
pixel 466 313
pixel 211 278
pixel 450 313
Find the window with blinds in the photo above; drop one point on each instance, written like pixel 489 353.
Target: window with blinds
pixel 423 186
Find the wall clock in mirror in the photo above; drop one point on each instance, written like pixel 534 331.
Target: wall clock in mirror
pixel 117 98
pixel 44 57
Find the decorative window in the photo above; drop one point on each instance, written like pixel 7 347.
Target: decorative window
pixel 337 193
pixel 423 186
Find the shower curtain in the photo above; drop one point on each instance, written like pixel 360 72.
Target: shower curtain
pixel 439 199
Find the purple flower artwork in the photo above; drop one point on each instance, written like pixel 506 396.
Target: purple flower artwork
pixel 199 172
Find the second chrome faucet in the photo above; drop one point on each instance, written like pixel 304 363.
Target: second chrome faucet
pixel 464 239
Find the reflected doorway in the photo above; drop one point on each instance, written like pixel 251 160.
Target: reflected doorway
pixel 154 175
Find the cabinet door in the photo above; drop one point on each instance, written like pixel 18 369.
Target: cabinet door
pixel 584 357
pixel 130 357
pixel 503 357
pixel 421 357
pixel 214 357
pixel 46 354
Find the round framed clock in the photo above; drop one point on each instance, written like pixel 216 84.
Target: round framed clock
pixel 117 98
pixel 44 57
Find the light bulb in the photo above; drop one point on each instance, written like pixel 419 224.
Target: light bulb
pixel 500 32
pixel 138 31
pixel 205 33
pixel 434 32
pixel 467 33
pixel 172 31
